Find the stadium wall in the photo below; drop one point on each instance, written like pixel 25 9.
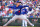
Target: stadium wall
pixel 35 21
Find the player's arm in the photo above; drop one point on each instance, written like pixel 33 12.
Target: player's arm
pixel 25 6
pixel 10 6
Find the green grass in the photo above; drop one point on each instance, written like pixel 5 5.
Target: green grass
pixel 18 26
pixel 21 26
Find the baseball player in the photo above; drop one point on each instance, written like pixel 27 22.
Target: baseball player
pixel 18 15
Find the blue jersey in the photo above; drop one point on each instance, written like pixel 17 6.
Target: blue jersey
pixel 17 9
pixel 24 11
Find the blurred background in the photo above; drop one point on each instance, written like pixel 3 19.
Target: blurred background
pixel 7 13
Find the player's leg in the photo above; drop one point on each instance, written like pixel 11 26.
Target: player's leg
pixel 26 23
pixel 29 22
pixel 23 23
pixel 14 18
pixel 25 18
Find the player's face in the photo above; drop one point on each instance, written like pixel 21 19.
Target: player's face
pixel 18 3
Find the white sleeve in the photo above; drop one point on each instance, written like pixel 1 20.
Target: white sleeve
pixel 29 12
